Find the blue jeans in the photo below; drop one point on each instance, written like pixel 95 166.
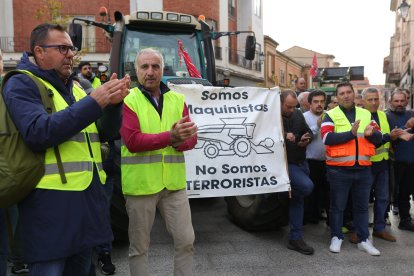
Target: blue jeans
pixel 301 186
pixel 381 186
pixel 342 181
pixel 79 264
pixel 3 244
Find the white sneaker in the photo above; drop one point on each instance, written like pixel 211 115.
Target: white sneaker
pixel 335 246
pixel 369 248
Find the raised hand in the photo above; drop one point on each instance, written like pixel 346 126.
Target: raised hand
pixel 182 130
pixel 355 127
pixel 409 123
pixel 112 92
pixel 405 135
pixel 369 130
pixel 395 133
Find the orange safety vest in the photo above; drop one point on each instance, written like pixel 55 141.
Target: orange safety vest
pixel 359 149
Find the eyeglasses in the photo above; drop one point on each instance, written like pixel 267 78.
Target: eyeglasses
pixel 63 49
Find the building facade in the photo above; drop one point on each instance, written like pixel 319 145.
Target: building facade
pixel 399 64
pixel 280 70
pixel 19 17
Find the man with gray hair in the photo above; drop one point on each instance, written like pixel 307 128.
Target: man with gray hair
pixel 303 101
pixel 380 163
pixel 156 129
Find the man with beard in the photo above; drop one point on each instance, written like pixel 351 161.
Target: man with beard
pixel 87 74
pixel 399 117
pixel 350 142
pixel 67 214
pixel 315 155
pixel 297 136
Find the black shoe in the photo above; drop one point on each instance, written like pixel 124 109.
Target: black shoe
pixel 300 246
pixel 20 269
pixel 105 264
pixel 406 225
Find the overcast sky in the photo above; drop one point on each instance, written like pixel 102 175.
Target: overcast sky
pixel 356 32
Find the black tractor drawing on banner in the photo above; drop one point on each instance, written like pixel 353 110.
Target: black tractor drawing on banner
pixel 233 137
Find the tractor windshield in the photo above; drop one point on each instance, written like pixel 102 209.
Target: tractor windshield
pixel 165 42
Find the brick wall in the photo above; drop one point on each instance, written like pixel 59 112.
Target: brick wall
pixel 210 9
pixel 24 13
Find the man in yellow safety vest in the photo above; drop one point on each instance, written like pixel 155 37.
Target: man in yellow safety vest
pixel 155 131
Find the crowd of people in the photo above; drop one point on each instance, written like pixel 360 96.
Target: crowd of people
pixel 336 160
pixel 342 158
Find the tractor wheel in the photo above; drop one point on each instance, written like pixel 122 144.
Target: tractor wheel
pixel 242 147
pixel 211 151
pixel 259 212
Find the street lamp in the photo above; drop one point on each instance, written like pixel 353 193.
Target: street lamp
pixel 262 57
pixel 403 8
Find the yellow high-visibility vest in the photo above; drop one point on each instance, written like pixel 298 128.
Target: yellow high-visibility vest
pixel 96 82
pixel 149 172
pixel 382 152
pixel 347 153
pixel 78 164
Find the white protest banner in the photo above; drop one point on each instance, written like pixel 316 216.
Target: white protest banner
pixel 240 142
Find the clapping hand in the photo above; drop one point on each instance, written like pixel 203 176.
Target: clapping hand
pixel 112 92
pixel 182 130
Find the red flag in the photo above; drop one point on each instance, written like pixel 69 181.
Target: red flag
pixel 314 67
pixel 182 53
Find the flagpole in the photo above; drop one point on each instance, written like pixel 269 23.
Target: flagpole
pixel 313 72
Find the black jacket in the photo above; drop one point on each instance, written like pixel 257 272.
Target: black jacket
pixel 298 126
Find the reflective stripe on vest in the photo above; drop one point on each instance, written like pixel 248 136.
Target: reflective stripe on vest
pixel 382 152
pixel 75 153
pixel 130 160
pixel 80 137
pixel 71 167
pixel 346 154
pixel 149 172
pixel 348 158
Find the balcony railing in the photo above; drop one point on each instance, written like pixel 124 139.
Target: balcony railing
pixel 14 44
pixel 217 52
pixel 237 59
pixel 19 44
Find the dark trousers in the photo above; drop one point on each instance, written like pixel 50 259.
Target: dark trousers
pixel 380 186
pixel 319 198
pixel 404 179
pixel 358 182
